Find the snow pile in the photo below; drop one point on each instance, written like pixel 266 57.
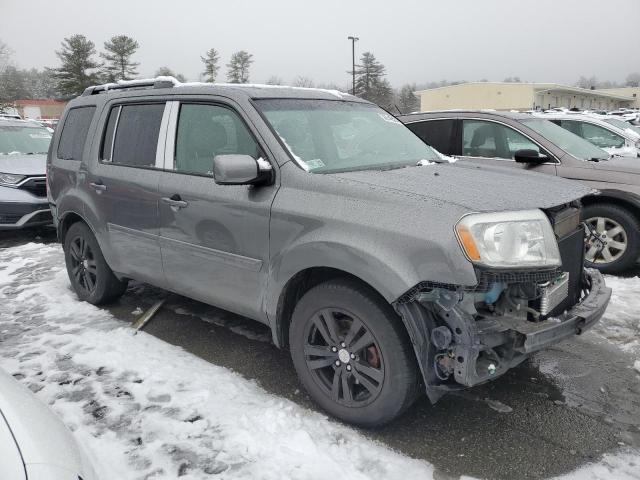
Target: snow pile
pixel 147 409
pixel 621 322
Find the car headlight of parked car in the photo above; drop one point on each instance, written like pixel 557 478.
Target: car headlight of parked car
pixel 10 179
pixel 509 239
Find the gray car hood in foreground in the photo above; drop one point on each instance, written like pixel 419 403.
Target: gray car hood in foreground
pixel 474 187
pixel 23 164
pixel 48 449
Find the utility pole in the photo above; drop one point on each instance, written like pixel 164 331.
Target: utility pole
pixel 353 63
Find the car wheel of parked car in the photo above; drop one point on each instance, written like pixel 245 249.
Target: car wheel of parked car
pixel 352 353
pixel 613 237
pixel 91 277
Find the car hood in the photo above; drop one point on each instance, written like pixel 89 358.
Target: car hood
pixel 23 164
pixel 474 187
pixel 628 165
pixel 43 439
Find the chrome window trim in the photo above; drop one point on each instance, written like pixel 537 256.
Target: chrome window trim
pixel 170 138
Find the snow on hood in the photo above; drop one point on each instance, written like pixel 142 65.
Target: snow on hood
pixel 474 187
pixel 20 164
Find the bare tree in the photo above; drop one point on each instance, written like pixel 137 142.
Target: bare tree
pixel 302 81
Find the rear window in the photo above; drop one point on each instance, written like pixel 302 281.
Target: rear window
pixel 136 135
pixel 74 133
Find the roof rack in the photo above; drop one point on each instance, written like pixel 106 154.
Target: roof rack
pixel 158 82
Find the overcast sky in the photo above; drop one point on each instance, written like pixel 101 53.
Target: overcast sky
pixel 417 40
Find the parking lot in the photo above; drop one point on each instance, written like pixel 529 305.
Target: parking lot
pixel 567 407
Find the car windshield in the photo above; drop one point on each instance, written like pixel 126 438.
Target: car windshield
pixel 18 139
pixel 567 141
pixel 621 124
pixel 327 136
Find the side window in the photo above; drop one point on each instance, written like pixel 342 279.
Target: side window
pixel 205 131
pixel 479 139
pixel 601 137
pixel 492 140
pixel 437 133
pixel 74 133
pixel 570 125
pixel 516 141
pixel 136 134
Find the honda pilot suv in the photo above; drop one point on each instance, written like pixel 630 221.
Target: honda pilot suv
pixel 385 270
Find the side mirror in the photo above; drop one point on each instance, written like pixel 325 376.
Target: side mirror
pixel 239 170
pixel 530 156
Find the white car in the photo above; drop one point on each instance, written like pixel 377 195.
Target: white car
pixel 602 134
pixel 34 443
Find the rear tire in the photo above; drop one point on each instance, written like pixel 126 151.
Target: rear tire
pixel 621 231
pixel 90 276
pixel 352 353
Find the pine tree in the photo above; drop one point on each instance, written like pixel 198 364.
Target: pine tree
pixel 370 82
pixel 239 67
pixel 167 72
pixel 117 56
pixel 211 67
pixel 78 69
pixel 407 101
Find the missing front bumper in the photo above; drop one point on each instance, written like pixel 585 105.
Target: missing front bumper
pixel 482 349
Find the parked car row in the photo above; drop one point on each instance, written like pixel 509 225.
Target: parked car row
pixel 387 270
pixel 533 143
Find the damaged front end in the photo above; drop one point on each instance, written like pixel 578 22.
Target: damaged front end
pixel 466 336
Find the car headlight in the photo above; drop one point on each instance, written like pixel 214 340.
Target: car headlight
pixel 509 239
pixel 10 178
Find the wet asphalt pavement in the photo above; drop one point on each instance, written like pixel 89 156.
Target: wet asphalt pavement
pixel 565 407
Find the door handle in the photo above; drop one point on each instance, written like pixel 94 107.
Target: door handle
pixel 175 201
pixel 98 186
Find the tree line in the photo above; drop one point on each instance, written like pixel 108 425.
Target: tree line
pixel 80 66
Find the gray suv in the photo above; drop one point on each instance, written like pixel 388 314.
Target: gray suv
pixel 611 214
pixel 385 271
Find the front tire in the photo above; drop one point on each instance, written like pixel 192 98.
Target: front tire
pixel 613 238
pixel 90 276
pixel 352 353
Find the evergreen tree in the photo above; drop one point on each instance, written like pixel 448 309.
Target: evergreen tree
pixel 117 56
pixel 78 69
pixel 167 72
pixel 12 87
pixel 239 67
pixel 407 101
pixel 211 67
pixel 370 82
pixel 5 56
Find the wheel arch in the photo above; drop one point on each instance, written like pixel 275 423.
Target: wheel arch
pixel 299 284
pixel 69 218
pixel 619 198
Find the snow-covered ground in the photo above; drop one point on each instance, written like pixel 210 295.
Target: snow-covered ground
pixel 149 410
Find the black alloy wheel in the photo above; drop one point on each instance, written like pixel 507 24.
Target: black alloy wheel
pixel 344 357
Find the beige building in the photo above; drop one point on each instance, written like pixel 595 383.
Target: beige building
pixel 633 92
pixel 521 96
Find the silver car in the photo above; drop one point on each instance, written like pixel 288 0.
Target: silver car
pixel 23 158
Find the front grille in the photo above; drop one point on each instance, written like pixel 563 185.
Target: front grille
pixel 36 185
pixel 8 218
